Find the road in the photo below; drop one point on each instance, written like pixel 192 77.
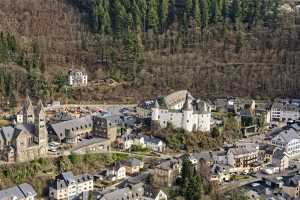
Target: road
pixel 106 107
pixel 236 184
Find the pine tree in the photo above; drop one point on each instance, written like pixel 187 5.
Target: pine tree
pixel 204 13
pixel 162 14
pixel 224 10
pixel 214 11
pixel 196 12
pixel 152 16
pixel 235 12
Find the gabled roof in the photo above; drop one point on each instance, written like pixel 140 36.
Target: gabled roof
pixel 19 192
pixel 59 128
pixel 287 135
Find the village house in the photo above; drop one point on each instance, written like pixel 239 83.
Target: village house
pixel 181 110
pixel 243 157
pixel 23 191
pixel 280 160
pixel 68 186
pixel 133 192
pixel 154 144
pixel 289 140
pixel 283 110
pixel 78 77
pixel 26 141
pixel 166 173
pixel 116 171
pixel 133 166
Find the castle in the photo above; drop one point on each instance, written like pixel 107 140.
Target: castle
pixel 26 141
pixel 182 111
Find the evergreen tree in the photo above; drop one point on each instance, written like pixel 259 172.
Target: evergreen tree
pixel 235 11
pixel 196 12
pixel 214 11
pixel 162 14
pixel 224 10
pixel 204 13
pixel 171 13
pixel 152 16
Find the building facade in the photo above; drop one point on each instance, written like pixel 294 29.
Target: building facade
pixel 186 113
pixel 289 140
pixel 78 77
pixel 284 110
pixel 166 173
pixel 68 186
pixel 28 140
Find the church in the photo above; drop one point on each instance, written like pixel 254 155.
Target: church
pixel 28 140
pixel 182 110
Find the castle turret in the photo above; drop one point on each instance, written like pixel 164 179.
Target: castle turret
pixel 28 112
pixel 155 111
pixel 187 109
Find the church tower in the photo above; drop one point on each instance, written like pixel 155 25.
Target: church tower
pixel 28 112
pixel 40 125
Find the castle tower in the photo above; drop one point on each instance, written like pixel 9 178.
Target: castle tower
pixel 28 112
pixel 187 118
pixel 40 125
pixel 155 111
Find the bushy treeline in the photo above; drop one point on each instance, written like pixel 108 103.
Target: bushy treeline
pixel 117 17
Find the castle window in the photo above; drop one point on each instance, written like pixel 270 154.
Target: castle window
pixel 187 121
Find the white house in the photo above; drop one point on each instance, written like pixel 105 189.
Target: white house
pixel 78 77
pixel 187 113
pixel 117 170
pixel 68 186
pixel 289 140
pixel 154 143
pixel 283 110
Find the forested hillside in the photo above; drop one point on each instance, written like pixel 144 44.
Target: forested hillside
pixel 212 47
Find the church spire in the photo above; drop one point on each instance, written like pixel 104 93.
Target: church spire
pixel 40 106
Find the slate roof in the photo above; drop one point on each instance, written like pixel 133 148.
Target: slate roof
pixel 279 154
pixel 59 128
pixel 151 139
pixel 9 132
pixel 168 164
pixel 133 162
pixel 288 135
pixel 131 192
pixel 20 192
pixel 66 178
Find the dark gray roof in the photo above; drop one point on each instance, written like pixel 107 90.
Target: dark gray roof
pixel 131 192
pixel 133 162
pixel 279 154
pixel 288 134
pixel 8 132
pixel 20 192
pixel 151 139
pixel 59 128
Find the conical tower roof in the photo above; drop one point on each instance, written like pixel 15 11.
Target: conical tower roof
pixel 188 103
pixel 156 105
